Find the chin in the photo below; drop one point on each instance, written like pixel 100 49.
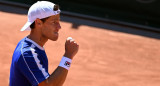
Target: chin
pixel 54 39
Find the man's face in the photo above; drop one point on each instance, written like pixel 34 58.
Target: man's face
pixel 51 27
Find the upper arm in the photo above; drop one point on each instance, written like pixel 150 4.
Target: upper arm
pixel 32 68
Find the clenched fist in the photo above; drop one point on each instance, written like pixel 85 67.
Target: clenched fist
pixel 71 48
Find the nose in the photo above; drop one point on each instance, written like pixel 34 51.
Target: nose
pixel 59 26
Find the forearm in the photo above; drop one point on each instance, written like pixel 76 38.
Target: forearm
pixel 57 78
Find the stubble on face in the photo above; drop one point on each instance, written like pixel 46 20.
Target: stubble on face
pixel 51 28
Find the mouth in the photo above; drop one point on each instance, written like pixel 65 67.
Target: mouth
pixel 56 33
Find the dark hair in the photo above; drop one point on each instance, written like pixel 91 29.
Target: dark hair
pixel 56 7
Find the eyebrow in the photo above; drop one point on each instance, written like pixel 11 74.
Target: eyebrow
pixel 56 18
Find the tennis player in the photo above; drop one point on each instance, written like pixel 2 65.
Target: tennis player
pixel 29 65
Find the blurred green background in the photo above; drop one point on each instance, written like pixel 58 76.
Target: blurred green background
pixel 142 12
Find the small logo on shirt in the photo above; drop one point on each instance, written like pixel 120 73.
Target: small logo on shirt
pixel 67 64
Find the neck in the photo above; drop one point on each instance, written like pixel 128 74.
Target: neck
pixel 37 38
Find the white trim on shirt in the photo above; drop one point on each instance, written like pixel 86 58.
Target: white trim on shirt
pixel 34 43
pixel 27 64
pixel 45 74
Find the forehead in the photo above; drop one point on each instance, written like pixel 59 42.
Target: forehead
pixel 54 17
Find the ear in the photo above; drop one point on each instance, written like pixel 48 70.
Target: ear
pixel 38 22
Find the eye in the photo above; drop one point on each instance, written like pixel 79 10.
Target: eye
pixel 54 22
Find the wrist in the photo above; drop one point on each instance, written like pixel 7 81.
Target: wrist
pixel 65 62
pixel 68 56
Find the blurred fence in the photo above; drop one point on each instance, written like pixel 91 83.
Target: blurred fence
pixel 141 12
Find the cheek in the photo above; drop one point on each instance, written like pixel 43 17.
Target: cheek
pixel 47 31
